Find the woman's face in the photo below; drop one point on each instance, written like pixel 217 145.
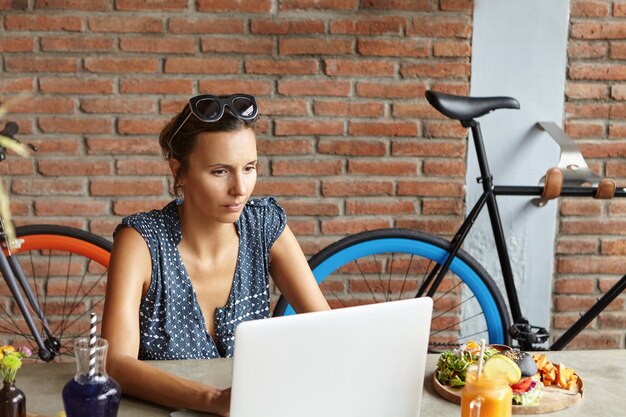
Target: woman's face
pixel 221 174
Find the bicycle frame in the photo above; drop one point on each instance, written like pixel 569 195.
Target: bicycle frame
pixel 526 334
pixel 13 274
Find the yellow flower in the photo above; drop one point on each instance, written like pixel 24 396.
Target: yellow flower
pixel 7 349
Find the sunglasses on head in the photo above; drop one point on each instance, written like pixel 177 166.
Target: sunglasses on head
pixel 209 108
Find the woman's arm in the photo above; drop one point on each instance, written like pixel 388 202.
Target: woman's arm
pixel 128 278
pixel 291 273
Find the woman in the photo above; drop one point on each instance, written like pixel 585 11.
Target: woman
pixel 182 278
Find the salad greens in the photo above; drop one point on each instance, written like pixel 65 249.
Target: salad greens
pixel 453 364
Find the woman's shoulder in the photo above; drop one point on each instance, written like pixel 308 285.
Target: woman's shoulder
pixel 151 221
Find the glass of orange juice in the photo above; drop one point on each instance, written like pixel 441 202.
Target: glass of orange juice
pixel 484 396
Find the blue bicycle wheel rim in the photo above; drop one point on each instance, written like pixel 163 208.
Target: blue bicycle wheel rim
pixel 425 250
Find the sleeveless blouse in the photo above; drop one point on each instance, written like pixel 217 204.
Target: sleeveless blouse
pixel 171 323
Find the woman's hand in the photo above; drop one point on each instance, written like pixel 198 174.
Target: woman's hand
pixel 220 402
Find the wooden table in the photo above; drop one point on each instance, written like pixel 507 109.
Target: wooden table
pixel 604 374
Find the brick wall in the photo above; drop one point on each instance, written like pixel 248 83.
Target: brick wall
pixel 347 140
pixel 591 245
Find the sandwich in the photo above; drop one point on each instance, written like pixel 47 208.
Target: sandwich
pixel 526 391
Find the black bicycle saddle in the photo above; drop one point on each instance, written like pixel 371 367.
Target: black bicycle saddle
pixel 465 108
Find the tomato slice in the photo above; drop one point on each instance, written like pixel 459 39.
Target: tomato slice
pixel 522 386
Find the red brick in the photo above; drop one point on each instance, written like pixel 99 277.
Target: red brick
pixel 75 86
pixel 576 129
pixel 283 107
pixel 440 27
pixel 445 129
pixel 120 187
pixel 306 127
pixel 139 24
pixel 238 45
pixel 45 186
pixel 605 284
pixel 383 129
pixel 617 50
pixel 201 65
pixel 103 227
pixel 613 321
pixel 40 64
pixel 382 167
pixel 206 26
pixel 345 227
pixel 56 146
pixel 16 85
pixel 349 109
pixel 17 44
pixel 597 30
pixel 385 25
pixel 122 146
pixel 70 44
pixel 152 86
pixel 603 150
pixel 120 65
pixel 16 167
pixel 587 91
pixel 284 146
pixel 128 207
pixel 416 111
pixel 299 87
pixel 239 6
pixel 427 148
pixel 394 90
pixel 306 167
pixel 286 188
pixel 343 188
pixel 452 49
pixel 619 9
pixel 582 303
pixel 613 247
pixel 72 125
pixel 73 167
pixel 574 286
pixel 590 9
pixel 359 207
pixel 141 126
pixel 310 208
pixel 118 105
pixel 157 45
pixel 228 86
pixel 436 69
pixel 442 206
pixel 430 188
pixel 286 26
pixel 587 110
pixel 91 5
pixel 591 265
pixel 394 47
pixel 156 5
pixel 407 5
pixel 352 147
pixel 369 68
pixel 617 208
pixel 456 5
pixel 287 5
pixel 70 208
pixel 432 226
pixel 617 131
pixel 277 67
pixel 142 167
pixel 578 207
pixel 38 105
pixel 434 167
pixel 42 22
pixel 314 46
pixel 455 87
pixel 618 92
pixel 587 49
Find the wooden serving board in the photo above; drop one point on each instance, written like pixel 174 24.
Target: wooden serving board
pixel 554 399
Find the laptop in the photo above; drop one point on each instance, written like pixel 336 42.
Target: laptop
pixel 365 361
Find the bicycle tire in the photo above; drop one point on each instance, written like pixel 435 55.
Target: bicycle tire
pixel 66 269
pixel 357 254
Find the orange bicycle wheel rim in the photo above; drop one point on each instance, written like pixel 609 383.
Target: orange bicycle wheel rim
pixel 64 243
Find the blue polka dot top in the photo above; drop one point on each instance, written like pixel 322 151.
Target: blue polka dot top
pixel 171 323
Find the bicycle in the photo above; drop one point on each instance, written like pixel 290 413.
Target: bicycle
pixel 55 276
pixel 381 265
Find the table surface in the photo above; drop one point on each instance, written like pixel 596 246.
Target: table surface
pixel 603 372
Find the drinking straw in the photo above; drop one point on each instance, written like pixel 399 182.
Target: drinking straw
pixel 480 357
pixel 92 346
